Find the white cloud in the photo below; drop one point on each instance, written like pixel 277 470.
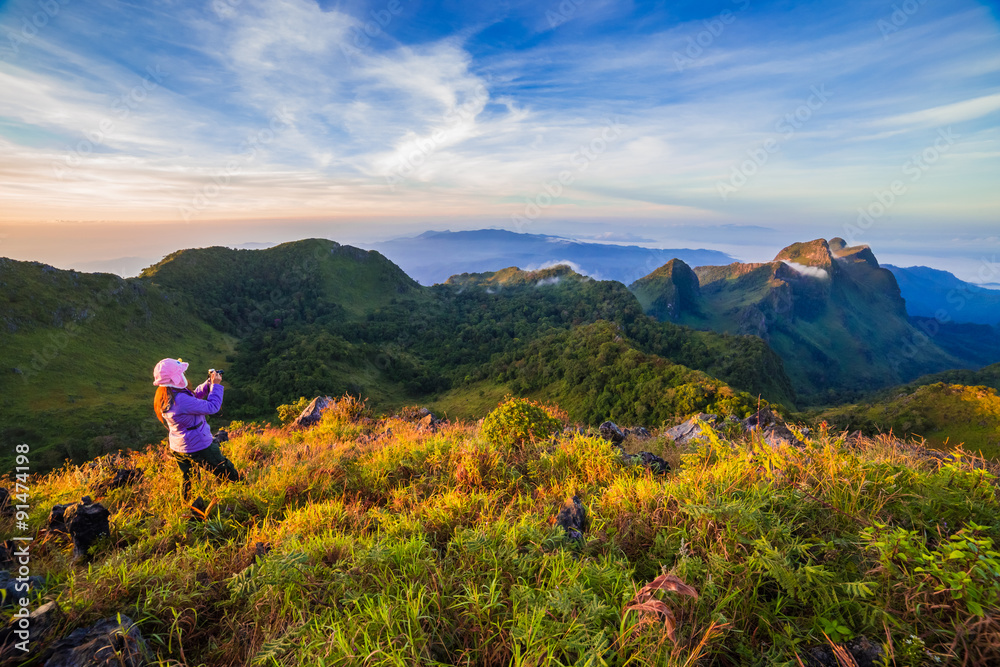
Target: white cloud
pixel 810 271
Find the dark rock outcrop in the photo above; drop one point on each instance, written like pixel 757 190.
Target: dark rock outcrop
pixel 6 506
pixel 313 412
pixel 864 652
pixel 42 625
pixel 638 432
pixel 771 429
pixel 57 518
pixel 573 518
pixel 87 522
pixel 12 590
pixel 120 477
pixel 610 432
pixel 650 460
pixel 111 642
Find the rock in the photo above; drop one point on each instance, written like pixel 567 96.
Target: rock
pixel 121 477
pixel 7 548
pixel 779 435
pixel 42 624
pixel 260 549
pixel 759 420
pixel 650 460
pixel 57 518
pixel 199 510
pixel 87 522
pixel 6 507
pixel 111 642
pixel 865 654
pixel 313 412
pixel 638 432
pixel 610 432
pixel 12 590
pixel 573 518
pixel 221 436
pixel 690 431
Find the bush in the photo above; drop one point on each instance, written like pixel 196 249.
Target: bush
pixel 288 412
pixel 517 421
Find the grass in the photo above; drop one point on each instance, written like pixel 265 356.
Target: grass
pixel 940 413
pixel 392 545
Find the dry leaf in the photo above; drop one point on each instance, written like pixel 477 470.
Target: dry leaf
pixel 646 605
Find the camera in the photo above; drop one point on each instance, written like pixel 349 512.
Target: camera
pixel 215 370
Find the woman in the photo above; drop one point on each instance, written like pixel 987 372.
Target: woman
pixel 183 411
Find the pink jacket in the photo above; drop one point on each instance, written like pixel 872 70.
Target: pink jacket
pixel 189 430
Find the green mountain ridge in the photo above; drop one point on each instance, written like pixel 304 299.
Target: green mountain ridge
pixel 315 317
pixel 835 317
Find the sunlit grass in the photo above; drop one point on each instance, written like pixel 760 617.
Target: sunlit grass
pixel 394 545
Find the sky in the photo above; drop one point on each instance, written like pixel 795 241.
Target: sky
pixel 132 130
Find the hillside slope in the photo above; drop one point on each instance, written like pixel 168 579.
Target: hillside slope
pixel 376 541
pixel 830 311
pixel 307 318
pixel 76 353
pixel 953 407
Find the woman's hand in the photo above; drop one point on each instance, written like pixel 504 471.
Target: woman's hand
pixel 215 377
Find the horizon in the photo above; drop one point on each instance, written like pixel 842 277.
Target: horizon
pixel 736 126
pixel 988 275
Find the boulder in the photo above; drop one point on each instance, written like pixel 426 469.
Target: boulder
pixel 120 477
pixel 57 518
pixel 12 590
pixel 779 435
pixel 610 432
pixel 638 432
pixel 87 522
pixel 864 652
pixel 773 431
pixel 650 460
pixel 313 412
pixel 111 642
pixel 42 624
pixel 573 518
pixel 759 420
pixel 691 431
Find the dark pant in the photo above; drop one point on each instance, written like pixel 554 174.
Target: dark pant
pixel 211 458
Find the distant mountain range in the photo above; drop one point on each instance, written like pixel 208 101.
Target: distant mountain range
pixel 933 293
pixel 433 257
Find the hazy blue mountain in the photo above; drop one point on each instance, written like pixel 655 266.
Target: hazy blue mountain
pixel 930 293
pixel 433 257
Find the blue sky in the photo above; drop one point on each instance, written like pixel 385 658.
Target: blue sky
pixel 134 129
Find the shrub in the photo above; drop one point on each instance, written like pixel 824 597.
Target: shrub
pixel 288 412
pixel 517 421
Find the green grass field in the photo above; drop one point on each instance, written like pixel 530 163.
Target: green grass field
pixel 391 545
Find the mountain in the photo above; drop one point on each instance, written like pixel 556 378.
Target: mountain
pixel 315 317
pixel 835 317
pixel 433 256
pixel 931 293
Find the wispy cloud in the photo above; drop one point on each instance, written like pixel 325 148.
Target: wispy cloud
pixel 476 116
